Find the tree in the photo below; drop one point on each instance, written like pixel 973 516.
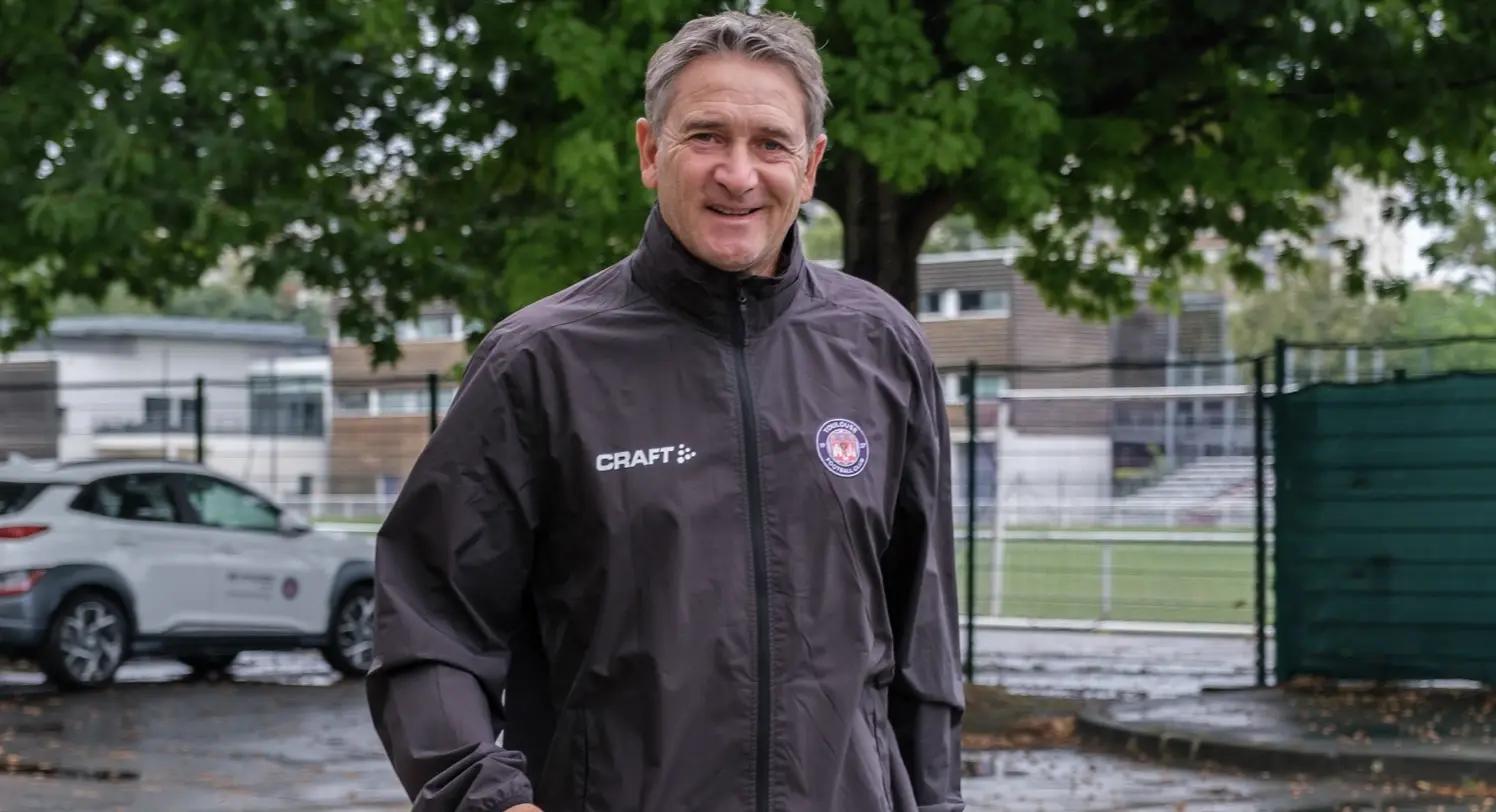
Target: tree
pixel 1311 308
pixel 215 301
pixel 404 150
pixel 1469 249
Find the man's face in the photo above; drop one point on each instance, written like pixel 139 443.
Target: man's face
pixel 731 162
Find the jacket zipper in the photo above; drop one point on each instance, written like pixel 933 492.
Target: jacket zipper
pixel 760 554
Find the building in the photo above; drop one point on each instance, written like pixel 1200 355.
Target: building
pixel 975 307
pixel 1171 432
pixel 383 416
pixel 127 387
pixel 1050 426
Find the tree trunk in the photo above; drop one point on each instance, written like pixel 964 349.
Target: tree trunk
pixel 882 230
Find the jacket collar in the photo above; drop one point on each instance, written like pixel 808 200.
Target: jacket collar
pixel 666 270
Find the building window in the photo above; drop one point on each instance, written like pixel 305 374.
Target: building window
pixel 434 326
pixel 986 302
pixel 929 303
pixel 286 406
pixel 157 412
pixel 430 327
pixel 402 401
pixel 304 485
pixel 187 409
pixel 990 387
pixel 352 402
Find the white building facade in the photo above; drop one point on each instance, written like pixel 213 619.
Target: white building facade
pixel 127 387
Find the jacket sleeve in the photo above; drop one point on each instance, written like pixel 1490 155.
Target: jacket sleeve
pixel 452 562
pixel 926 698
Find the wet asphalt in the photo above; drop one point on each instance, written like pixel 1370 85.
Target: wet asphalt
pixel 283 732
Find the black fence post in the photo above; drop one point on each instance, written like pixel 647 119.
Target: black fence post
pixel 1280 365
pixel 1259 442
pixel 201 418
pixel 431 385
pixel 971 521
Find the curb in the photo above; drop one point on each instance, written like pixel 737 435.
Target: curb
pixel 9 691
pixel 1198 745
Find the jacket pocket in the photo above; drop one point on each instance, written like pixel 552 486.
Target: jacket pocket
pixel 581 758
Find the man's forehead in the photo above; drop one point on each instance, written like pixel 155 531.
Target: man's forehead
pixel 725 90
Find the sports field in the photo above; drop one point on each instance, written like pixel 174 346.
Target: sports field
pixel 1151 580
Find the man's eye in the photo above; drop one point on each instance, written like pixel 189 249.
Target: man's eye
pixel 704 138
pixel 773 146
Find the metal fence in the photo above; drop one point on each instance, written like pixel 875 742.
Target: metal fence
pixel 1099 493
pixel 334 450
pixel 1140 496
pixel 1385 563
pixel 1122 495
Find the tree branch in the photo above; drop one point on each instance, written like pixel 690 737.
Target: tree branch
pixel 1178 52
pixel 937 27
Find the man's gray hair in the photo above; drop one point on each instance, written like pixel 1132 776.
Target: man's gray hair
pixel 769 37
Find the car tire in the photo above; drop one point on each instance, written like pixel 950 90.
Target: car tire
pixel 208 665
pixel 87 641
pixel 350 634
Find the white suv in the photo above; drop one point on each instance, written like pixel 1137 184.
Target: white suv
pixel 100 561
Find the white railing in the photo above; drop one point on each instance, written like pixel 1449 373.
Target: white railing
pixel 367 507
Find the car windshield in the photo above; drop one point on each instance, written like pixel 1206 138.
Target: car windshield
pixel 16 495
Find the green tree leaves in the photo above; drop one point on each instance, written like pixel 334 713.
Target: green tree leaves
pixel 403 150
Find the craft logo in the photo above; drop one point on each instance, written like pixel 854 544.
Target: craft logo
pixel 619 460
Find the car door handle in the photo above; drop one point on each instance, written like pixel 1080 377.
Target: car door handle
pixel 228 549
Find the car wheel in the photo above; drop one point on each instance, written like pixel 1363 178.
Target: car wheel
pixel 87 642
pixel 208 665
pixel 350 645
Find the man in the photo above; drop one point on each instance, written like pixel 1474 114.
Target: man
pixel 684 536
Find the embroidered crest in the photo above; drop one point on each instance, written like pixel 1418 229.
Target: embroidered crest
pixel 842 447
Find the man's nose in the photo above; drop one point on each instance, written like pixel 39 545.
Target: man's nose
pixel 737 172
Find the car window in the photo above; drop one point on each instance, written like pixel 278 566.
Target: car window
pixel 135 497
pixel 17 495
pixel 219 504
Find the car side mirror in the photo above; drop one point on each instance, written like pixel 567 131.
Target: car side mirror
pixel 292 524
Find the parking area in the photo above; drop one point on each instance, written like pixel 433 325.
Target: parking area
pixel 285 732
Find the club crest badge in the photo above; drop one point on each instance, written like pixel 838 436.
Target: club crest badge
pixel 842 447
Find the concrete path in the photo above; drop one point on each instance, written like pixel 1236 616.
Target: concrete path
pixel 1437 735
pixel 1112 665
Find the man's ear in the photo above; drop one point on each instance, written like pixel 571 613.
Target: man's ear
pixel 817 151
pixel 649 153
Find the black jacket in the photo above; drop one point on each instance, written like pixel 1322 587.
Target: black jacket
pixel 684 539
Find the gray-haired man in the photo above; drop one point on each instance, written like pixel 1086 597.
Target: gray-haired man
pixel 684 537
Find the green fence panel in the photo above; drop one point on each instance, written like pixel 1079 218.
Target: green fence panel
pixel 1385 534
